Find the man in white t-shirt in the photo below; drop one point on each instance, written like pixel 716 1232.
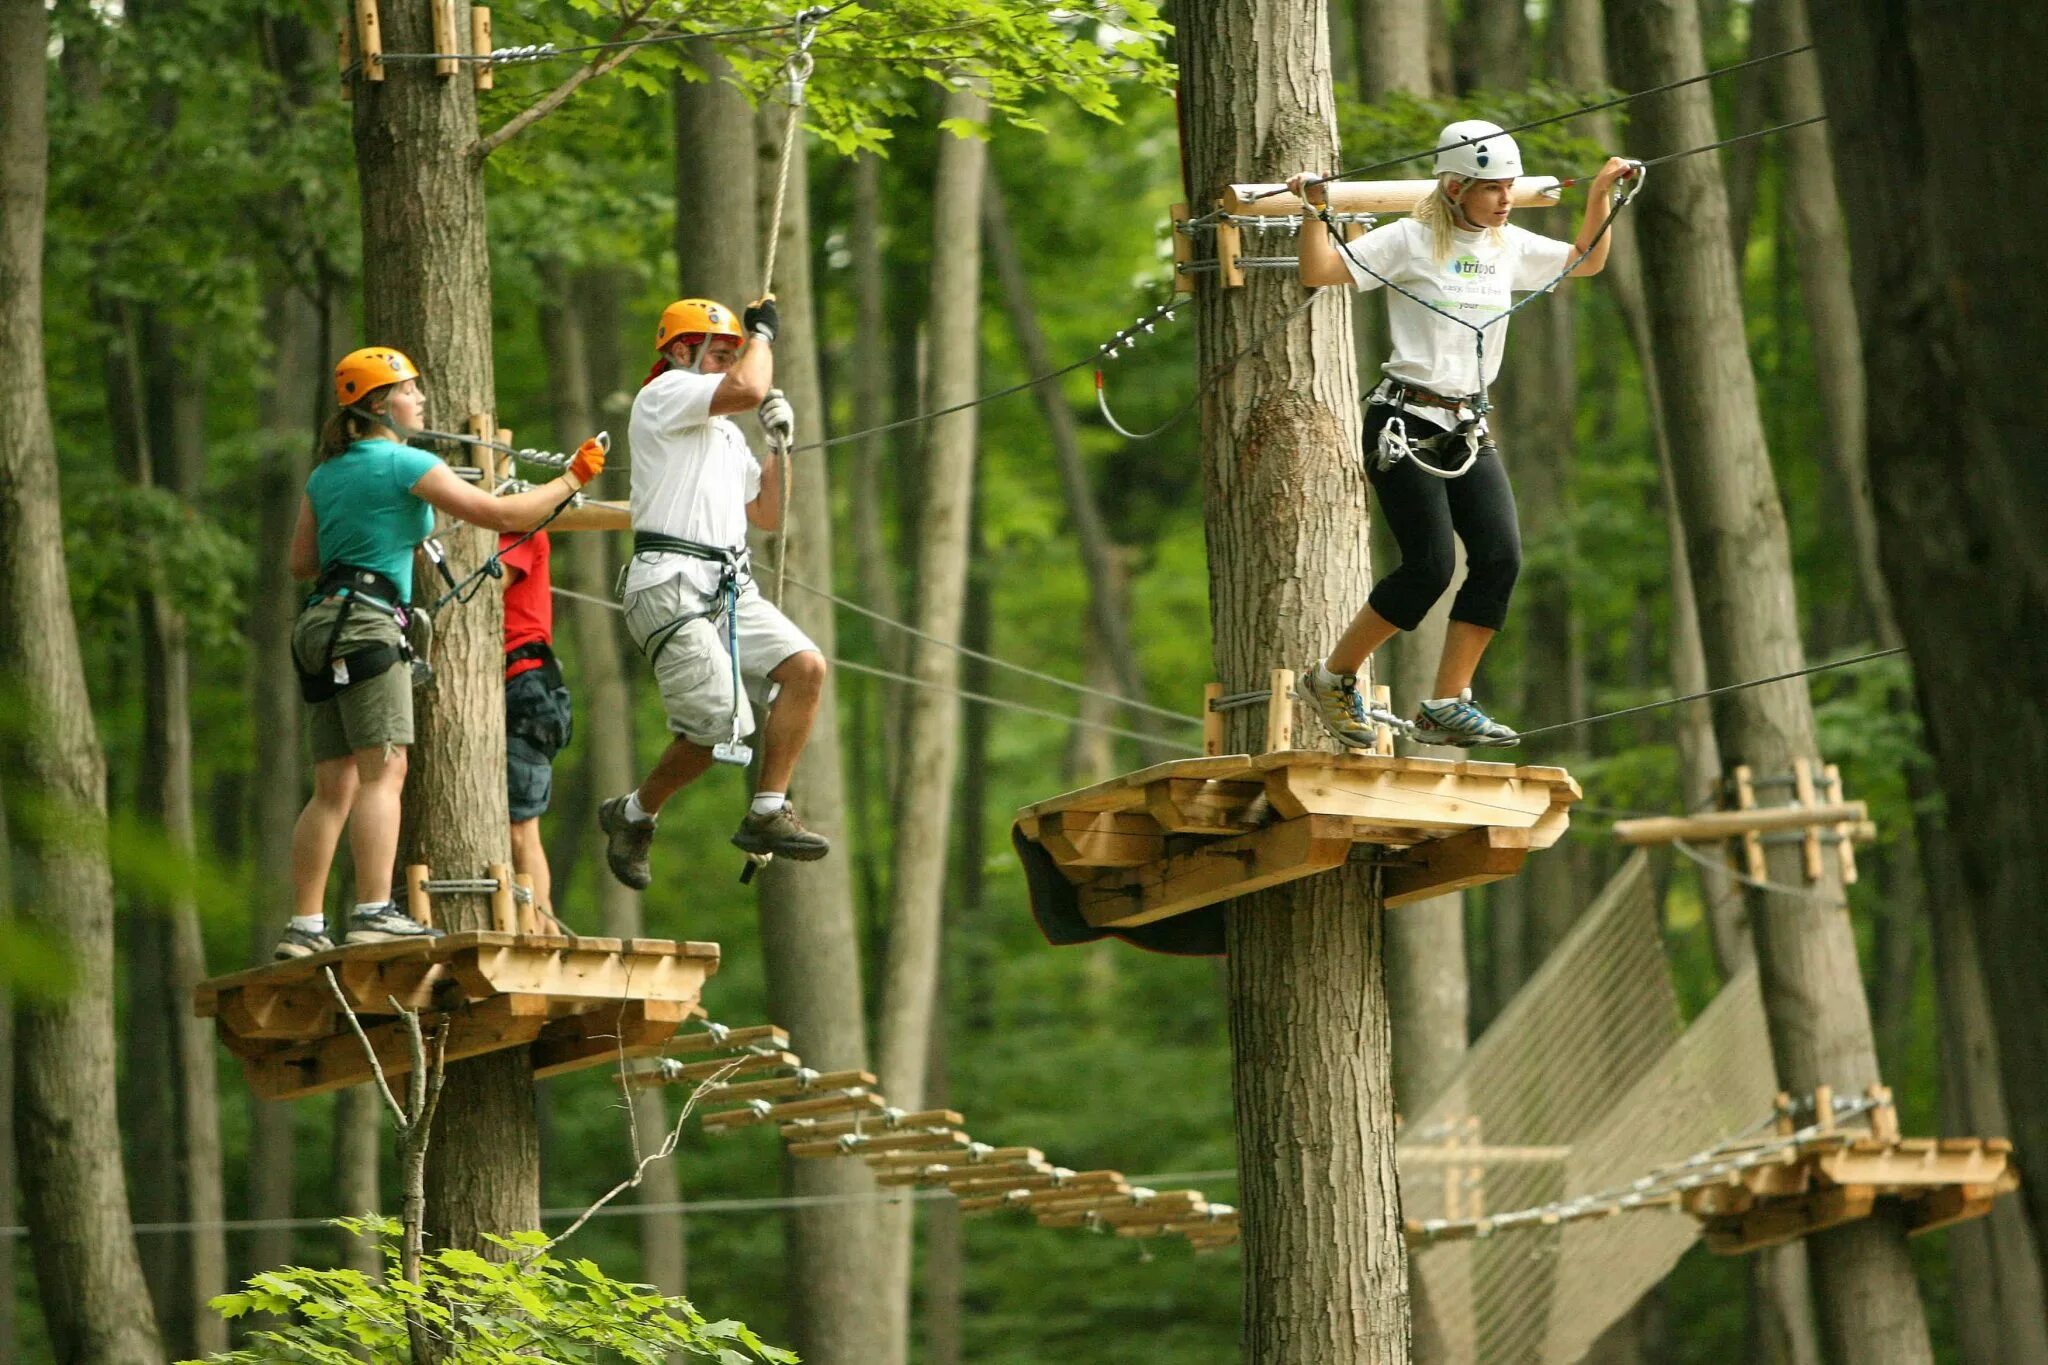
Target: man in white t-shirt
pixel 1450 273
pixel 691 604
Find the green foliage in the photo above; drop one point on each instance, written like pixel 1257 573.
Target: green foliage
pixel 531 1305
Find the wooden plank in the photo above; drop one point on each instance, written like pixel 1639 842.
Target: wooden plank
pixel 1909 1164
pixel 1077 1184
pixel 856 1099
pixel 1195 805
pixel 1806 794
pixel 369 39
pixel 1126 793
pixel 861 1145
pixel 1752 847
pixel 686 1072
pixel 1409 798
pixel 294 1013
pixel 1101 838
pixel 581 971
pixel 1229 244
pixel 606 1036
pixel 338 1060
pixel 1784 1221
pixel 1212 719
pixel 788 1085
pixel 763 1035
pixel 1183 256
pixel 1217 871
pixel 972 1156
pixel 1845 844
pixel 1440 866
pixel 480 43
pixel 1953 1204
pixel 1280 711
pixel 957 1178
pixel 1727 824
pixel 923 1118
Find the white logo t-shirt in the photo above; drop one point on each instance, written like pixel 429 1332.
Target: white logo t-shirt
pixel 1476 286
pixel 693 477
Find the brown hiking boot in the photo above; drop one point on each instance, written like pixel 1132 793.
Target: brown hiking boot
pixel 781 832
pixel 626 844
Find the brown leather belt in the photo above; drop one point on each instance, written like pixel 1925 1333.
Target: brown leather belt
pixel 1407 393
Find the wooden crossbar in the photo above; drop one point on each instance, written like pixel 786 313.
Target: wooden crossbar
pixel 807 1130
pixel 856 1099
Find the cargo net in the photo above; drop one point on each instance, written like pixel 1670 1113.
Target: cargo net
pixel 1582 1087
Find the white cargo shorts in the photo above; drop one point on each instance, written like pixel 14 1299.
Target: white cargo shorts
pixel 694 668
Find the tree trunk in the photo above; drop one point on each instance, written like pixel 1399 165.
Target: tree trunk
pixel 74 1195
pixel 1820 237
pixel 1325 1269
pixel 10 1210
pixel 1108 619
pixel 931 744
pixel 1493 46
pixel 810 935
pixel 427 291
pixel 1741 557
pixel 1392 40
pixel 1960 494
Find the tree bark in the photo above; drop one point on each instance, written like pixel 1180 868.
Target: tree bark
pixel 1493 46
pixel 810 935
pixel 427 291
pixel 1960 496
pixel 1741 557
pixel 1820 237
pixel 74 1196
pixel 1392 39
pixel 1325 1269
pixel 931 743
pixel 10 1209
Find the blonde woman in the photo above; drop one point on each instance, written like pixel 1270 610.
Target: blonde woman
pixel 369 503
pixel 1453 268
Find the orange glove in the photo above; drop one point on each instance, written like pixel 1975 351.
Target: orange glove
pixel 589 461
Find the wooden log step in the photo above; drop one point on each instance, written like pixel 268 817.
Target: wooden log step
pixel 853 1100
pixel 733 1040
pixel 807 1129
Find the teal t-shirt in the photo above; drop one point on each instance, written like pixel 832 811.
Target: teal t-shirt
pixel 365 509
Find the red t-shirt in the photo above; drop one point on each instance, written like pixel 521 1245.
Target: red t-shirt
pixel 529 601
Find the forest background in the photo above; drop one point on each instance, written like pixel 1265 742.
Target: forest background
pixel 203 219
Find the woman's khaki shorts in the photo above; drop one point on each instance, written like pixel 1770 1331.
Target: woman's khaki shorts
pixel 694 671
pixel 374 714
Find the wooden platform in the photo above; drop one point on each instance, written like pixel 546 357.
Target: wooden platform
pixel 1840 1177
pixel 577 1002
pixel 1181 835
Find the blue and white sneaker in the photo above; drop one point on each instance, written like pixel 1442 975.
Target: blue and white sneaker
pixel 384 923
pixel 299 942
pixel 1343 709
pixel 1457 721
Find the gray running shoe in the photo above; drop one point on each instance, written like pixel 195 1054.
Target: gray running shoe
pixel 781 832
pixel 384 923
pixel 627 844
pixel 1343 709
pixel 1461 723
pixel 301 943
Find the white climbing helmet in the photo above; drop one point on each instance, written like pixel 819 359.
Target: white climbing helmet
pixel 1487 154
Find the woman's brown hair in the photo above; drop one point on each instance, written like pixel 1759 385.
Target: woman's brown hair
pixel 345 427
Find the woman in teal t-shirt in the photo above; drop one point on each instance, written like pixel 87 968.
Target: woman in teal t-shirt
pixel 369 503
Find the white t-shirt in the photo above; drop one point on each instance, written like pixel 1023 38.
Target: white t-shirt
pixel 1478 282
pixel 693 477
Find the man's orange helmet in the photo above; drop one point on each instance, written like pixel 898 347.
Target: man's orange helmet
pixel 363 372
pixel 696 317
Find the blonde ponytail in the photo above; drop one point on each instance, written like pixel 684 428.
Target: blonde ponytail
pixel 1436 212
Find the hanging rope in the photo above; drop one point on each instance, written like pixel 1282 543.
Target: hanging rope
pixel 796 74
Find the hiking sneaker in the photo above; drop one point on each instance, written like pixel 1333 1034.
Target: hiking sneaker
pixel 781 832
pixel 384 923
pixel 1459 722
pixel 627 844
pixel 300 943
pixel 1343 709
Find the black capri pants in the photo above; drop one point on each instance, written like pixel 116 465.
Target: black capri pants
pixel 1425 512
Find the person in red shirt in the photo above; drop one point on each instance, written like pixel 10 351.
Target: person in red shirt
pixel 537 710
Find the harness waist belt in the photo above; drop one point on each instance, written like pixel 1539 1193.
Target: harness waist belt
pixel 532 649
pixel 1395 391
pixel 367 582
pixel 655 542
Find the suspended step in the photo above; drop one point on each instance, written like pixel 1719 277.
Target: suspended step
pixel 577 1002
pixel 1120 856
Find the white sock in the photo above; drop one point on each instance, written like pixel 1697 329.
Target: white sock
pixel 310 924
pixel 370 907
pixel 1324 677
pixel 767 803
pixel 636 812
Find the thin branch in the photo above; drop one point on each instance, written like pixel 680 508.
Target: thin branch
pixel 557 97
pixel 668 1148
pixel 377 1067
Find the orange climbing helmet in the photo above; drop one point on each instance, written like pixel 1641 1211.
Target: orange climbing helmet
pixel 365 371
pixel 696 317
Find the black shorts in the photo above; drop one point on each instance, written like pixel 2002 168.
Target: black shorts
pixel 537 727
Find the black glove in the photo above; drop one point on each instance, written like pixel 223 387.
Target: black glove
pixel 761 320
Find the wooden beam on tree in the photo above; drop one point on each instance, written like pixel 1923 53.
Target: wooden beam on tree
pixel 1218 871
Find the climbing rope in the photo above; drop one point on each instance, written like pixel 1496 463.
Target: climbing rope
pixel 541 52
pixel 1357 171
pixel 796 73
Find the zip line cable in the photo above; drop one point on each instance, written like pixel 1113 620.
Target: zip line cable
pixel 1583 110
pixel 540 52
pixel 982 698
pixel 1716 691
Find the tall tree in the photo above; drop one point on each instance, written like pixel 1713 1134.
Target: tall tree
pixel 931 746
pixel 1960 494
pixel 427 292
pixel 1742 570
pixel 810 934
pixel 10 1329
pixel 74 1195
pixel 1325 1271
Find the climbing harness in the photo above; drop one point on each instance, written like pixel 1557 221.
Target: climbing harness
pixel 735 571
pixel 336 674
pixel 1396 445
